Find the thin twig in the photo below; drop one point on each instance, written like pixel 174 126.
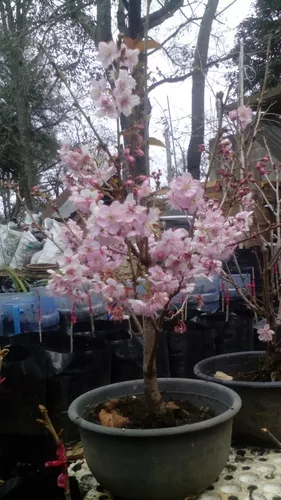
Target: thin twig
pixel 273 438
pixel 77 104
pixel 45 420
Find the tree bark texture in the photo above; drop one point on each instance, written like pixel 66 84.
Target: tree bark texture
pixel 198 89
pixel 14 23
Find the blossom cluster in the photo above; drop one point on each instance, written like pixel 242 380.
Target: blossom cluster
pixel 243 115
pixel 173 258
pixel 122 225
pixel 265 333
pixel 121 99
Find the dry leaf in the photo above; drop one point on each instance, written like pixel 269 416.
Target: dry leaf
pixel 150 44
pixel 131 44
pixel 75 451
pixel 152 141
pixel 109 405
pixel 172 405
pixel 141 45
pixel 222 376
pixel 112 419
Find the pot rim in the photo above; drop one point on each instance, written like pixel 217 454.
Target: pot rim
pixel 169 431
pixel 198 372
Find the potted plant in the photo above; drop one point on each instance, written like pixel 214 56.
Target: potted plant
pixel 255 375
pixel 148 438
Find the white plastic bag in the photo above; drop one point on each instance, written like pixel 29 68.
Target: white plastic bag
pixel 31 218
pixel 9 240
pixel 54 245
pixel 35 257
pixel 27 247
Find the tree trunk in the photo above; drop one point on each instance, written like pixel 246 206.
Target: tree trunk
pixel 138 116
pixel 14 22
pixel 28 170
pixel 198 89
pixel 151 390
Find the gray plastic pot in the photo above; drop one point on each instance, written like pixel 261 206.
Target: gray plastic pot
pixel 166 464
pixel 261 401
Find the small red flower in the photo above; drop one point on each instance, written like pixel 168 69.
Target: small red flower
pixel 62 481
pixel 180 327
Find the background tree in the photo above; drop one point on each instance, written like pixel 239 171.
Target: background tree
pixel 198 89
pixel 255 31
pixel 35 110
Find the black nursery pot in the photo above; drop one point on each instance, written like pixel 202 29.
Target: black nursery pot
pixel 261 401
pixel 72 374
pixel 127 359
pixel 32 338
pixel 25 371
pixel 186 349
pixel 236 334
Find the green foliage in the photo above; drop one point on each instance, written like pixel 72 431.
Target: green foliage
pixel 19 283
pixel 255 30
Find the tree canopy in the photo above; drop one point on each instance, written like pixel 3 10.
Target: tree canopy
pixel 263 25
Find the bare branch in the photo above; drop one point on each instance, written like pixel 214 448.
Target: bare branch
pixel 164 13
pixel 182 78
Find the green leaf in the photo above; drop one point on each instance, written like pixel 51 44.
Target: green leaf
pixel 152 141
pixel 17 281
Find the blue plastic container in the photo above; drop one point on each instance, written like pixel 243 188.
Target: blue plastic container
pixel 64 304
pixel 20 315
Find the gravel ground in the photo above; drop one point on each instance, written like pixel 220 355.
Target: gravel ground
pixel 250 474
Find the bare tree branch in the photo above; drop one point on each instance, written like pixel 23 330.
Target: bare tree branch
pixel 164 13
pixel 182 78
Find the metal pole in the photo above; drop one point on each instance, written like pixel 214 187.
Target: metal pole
pixel 241 74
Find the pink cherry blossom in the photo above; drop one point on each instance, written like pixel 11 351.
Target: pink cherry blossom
pixel 125 101
pixel 265 333
pixel 106 107
pixel 74 160
pixel 125 81
pixel 185 193
pixel 84 198
pixel 131 58
pixel 108 52
pixel 233 115
pixel 144 190
pixel 112 289
pixel 149 305
pixel 245 116
pixel 98 88
pixel 162 281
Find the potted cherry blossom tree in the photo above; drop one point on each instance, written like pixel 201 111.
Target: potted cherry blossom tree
pixel 134 431
pixel 255 375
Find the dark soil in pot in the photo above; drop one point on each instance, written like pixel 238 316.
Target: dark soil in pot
pixel 135 413
pixel 261 400
pixel 166 464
